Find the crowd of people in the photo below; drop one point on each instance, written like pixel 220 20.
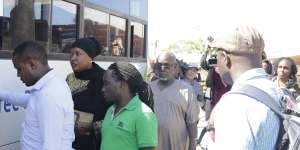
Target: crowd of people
pixel 93 108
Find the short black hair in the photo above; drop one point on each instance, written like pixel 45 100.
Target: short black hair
pixel 269 68
pixel 31 50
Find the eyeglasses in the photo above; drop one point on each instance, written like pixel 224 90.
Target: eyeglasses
pixel 165 65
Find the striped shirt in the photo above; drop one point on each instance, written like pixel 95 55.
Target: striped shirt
pixel 243 123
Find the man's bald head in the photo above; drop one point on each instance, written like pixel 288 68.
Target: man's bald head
pixel 166 67
pixel 167 56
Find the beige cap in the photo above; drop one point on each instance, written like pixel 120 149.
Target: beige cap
pixel 243 39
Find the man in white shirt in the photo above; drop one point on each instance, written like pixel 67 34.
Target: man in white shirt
pixel 242 122
pixel 49 120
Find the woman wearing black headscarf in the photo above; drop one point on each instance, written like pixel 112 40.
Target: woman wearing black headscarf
pixel 86 83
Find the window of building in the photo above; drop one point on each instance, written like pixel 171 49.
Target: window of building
pixel 64 25
pixel 137 40
pixel 96 24
pixel 117 36
pixel 23 21
pixel 116 5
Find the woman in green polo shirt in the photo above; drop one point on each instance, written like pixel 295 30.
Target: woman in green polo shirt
pixel 129 124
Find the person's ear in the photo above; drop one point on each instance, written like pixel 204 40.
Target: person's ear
pixel 226 59
pixel 33 64
pixel 121 84
pixel 175 66
pixel 124 85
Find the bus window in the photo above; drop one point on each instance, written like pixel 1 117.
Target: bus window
pixel 64 25
pixel 139 8
pixel 22 20
pixel 117 36
pixel 137 40
pixel 96 24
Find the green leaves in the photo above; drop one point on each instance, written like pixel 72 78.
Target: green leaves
pixel 187 46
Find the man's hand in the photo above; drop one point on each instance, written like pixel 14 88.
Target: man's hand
pixel 82 130
pixel 97 128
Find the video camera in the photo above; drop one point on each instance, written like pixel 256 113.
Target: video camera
pixel 209 58
pixel 212 60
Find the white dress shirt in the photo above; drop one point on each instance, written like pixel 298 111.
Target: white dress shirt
pixel 243 123
pixel 49 120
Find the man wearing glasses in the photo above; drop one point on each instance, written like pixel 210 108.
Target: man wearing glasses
pixel 175 105
pixel 241 122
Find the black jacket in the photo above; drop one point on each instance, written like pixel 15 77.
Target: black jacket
pixel 87 96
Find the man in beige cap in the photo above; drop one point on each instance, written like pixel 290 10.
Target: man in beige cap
pixel 241 122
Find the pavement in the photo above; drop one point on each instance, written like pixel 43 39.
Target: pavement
pixel 201 124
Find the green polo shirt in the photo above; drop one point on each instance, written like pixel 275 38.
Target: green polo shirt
pixel 134 127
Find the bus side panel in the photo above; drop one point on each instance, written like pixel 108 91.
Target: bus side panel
pixel 11 116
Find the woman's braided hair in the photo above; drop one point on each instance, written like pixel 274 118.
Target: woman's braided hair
pixel 127 72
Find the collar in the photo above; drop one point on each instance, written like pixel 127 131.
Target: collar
pixel 188 81
pixel 251 74
pixel 41 82
pixel 133 103
pixel 288 84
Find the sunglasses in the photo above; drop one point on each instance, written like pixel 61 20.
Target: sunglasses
pixel 165 65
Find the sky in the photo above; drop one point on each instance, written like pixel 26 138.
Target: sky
pixel 277 20
pixel 173 20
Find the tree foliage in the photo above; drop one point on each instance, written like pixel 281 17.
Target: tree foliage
pixel 187 46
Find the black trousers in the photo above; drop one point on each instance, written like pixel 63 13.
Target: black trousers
pixel 86 142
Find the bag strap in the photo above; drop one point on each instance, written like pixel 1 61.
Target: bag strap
pixel 259 95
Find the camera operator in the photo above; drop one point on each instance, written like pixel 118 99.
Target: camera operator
pixel 216 87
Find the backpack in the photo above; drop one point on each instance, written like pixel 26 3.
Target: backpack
pixel 289 132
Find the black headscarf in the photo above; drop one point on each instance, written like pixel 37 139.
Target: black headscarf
pixel 90 45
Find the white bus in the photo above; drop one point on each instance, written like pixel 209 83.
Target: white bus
pixel 55 24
